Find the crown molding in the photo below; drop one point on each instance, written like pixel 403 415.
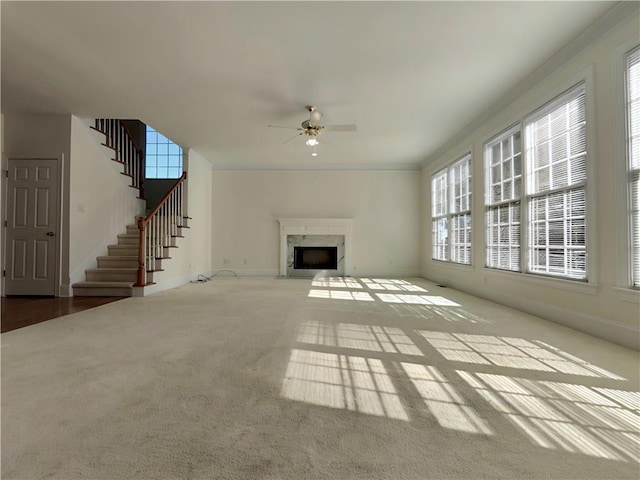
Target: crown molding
pixel 330 166
pixel 618 14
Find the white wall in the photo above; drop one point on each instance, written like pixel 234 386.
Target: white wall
pixel 101 203
pixel 600 308
pixel 199 208
pixel 384 206
pixel 193 255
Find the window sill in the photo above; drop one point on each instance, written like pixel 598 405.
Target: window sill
pixel 559 283
pixel 628 294
pixel 451 264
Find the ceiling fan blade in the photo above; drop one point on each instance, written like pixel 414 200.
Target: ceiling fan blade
pixel 296 136
pixel 280 126
pixel 340 128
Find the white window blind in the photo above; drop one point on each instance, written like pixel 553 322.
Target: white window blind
pixel 556 167
pixel 451 212
pixel 503 174
pixel 633 152
pixel 440 231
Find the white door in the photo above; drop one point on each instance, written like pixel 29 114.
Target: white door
pixel 32 227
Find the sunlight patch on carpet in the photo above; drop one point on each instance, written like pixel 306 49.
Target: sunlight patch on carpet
pixel 343 382
pixel 512 353
pixel 356 336
pixel 580 419
pixel 443 401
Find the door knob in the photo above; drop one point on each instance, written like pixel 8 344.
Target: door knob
pixel 50 234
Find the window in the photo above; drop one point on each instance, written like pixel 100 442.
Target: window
pixel 556 177
pixel 439 216
pixel 632 88
pixel 503 174
pixel 163 158
pixel 451 212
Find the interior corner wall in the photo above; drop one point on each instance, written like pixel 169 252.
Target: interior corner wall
pixel 199 208
pixel 193 255
pixel 384 206
pixel 602 310
pixel 101 202
pixel 45 136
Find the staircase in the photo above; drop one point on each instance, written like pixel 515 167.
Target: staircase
pixel 116 273
pixel 134 260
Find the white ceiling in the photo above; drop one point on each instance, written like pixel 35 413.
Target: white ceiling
pixel 213 75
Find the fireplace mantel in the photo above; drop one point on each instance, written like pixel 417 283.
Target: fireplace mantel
pixel 315 226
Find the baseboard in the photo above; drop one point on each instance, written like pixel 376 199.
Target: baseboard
pixel 163 285
pixel 397 273
pixel 65 291
pixel 594 325
pixel 248 272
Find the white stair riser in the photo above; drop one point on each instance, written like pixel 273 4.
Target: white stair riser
pixel 102 292
pixel 110 276
pixel 123 250
pixel 155 264
pixel 116 262
pixel 133 230
pixel 128 240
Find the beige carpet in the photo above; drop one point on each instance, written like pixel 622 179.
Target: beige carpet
pixel 254 378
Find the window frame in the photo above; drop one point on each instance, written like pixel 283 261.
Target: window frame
pixel 632 176
pixel 450 213
pixel 588 286
pixel 514 202
pixel 564 99
pixel 152 151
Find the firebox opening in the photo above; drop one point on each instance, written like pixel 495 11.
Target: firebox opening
pixel 315 258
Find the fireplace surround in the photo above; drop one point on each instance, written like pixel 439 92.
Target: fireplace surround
pixel 319 235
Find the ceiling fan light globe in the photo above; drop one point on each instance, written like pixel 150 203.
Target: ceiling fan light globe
pixel 315 116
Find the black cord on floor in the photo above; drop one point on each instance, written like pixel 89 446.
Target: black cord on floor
pixel 204 278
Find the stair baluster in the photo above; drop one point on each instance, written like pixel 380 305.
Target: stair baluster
pixel 127 151
pixel 158 229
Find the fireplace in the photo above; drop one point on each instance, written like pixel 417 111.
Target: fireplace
pixel 315 258
pixel 309 246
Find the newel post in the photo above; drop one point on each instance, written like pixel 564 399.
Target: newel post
pixel 141 280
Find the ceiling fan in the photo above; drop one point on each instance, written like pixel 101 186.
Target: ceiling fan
pixel 312 128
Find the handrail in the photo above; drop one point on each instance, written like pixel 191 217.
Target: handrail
pixel 133 139
pixel 119 138
pixel 158 229
pixel 166 196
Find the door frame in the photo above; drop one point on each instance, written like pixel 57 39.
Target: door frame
pixel 58 206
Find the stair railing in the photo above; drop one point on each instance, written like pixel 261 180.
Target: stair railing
pixel 128 152
pixel 159 229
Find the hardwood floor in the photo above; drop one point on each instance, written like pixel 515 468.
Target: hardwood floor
pixel 18 312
